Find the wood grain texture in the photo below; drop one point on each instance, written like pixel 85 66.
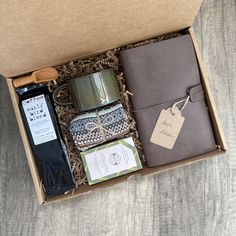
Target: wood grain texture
pixel 195 200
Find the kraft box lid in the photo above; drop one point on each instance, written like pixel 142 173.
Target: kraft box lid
pixel 37 34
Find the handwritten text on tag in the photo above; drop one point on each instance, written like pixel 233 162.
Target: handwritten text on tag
pixel 167 128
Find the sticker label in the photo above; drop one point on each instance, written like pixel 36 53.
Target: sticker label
pixel 39 119
pixel 167 128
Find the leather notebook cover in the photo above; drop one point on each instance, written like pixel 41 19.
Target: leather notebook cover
pixel 158 75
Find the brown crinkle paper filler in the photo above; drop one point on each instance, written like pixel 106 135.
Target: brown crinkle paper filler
pixel 77 68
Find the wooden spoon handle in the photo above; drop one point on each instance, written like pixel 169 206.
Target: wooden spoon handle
pixel 23 81
pixel 39 76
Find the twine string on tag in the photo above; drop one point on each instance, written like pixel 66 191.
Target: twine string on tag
pixel 181 101
pixel 91 126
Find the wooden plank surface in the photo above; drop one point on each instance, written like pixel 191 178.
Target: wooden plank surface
pixel 195 200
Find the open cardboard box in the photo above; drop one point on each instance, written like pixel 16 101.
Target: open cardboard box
pixel 39 35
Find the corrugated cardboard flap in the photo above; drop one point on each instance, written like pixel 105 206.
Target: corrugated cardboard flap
pixel 36 34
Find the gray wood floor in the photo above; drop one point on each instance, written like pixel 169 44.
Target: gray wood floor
pixel 195 200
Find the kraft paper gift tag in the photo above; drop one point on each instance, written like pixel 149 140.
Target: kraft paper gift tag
pixel 167 128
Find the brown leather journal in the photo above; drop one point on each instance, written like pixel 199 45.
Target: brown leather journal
pixel 158 75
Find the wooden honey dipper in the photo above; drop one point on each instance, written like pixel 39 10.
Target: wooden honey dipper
pixel 39 76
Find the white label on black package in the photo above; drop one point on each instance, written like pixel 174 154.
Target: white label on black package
pixel 39 119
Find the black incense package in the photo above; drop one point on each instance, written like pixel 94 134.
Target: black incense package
pixel 47 145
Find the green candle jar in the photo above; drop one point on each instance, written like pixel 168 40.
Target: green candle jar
pixel 91 91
